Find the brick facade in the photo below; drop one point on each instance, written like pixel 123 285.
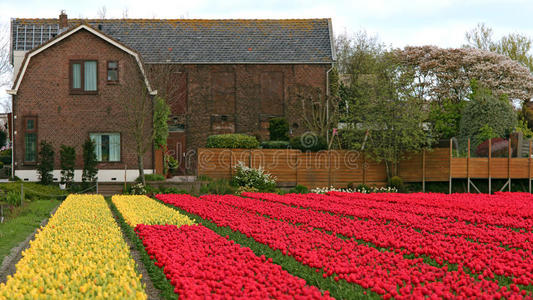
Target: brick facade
pixel 239 98
pixel 67 119
pixel 205 99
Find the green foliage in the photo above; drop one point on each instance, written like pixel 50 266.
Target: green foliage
pixel 275 145
pixel 247 189
pixel 485 116
pixel 152 177
pixel 13 198
pixel 90 170
pixel 160 123
pixel 396 182
pixel 233 140
pixel 5 156
pixel 521 126
pixel 34 191
pixel 138 189
pixel 279 129
pixel 445 118
pixel 299 189
pixel 218 187
pixel 309 142
pixel 253 178
pixel 3 138
pixel 45 165
pixel 67 158
pixel 22 221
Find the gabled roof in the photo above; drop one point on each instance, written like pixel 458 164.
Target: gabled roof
pixel 65 35
pixel 201 41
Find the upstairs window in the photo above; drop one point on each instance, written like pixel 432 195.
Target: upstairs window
pixel 112 72
pixel 83 77
pixel 107 146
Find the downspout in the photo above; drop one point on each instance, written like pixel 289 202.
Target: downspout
pixel 327 101
pixel 13 136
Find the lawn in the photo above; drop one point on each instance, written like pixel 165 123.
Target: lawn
pixel 23 222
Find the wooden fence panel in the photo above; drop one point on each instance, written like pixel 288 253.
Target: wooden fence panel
pixel 313 169
pixel 347 167
pixel 479 167
pixel 498 167
pixel 519 168
pixel 459 167
pixel 281 163
pixel 410 170
pixel 437 164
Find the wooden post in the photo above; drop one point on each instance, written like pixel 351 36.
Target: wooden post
pixel 423 170
pixel 529 167
pixel 509 164
pixel 468 168
pixel 489 163
pixel 450 170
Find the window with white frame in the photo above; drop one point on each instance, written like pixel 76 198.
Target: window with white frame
pixel 107 146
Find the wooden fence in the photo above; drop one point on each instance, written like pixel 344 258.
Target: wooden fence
pixel 340 167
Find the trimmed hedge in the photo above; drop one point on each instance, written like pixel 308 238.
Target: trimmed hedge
pixel 275 145
pixel 279 129
pixel 234 140
pixel 309 142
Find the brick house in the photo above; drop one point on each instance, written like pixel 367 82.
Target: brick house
pixel 219 76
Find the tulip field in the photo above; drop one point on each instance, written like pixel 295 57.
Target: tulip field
pixel 293 246
pixel 393 245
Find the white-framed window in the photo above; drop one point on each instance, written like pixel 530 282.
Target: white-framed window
pixel 107 146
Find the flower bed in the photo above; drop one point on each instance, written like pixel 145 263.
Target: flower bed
pixel 80 253
pixel 200 264
pixel 139 209
pixel 485 259
pixel 384 272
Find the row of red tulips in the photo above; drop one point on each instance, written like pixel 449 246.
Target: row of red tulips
pixel 201 264
pixel 503 203
pixel 480 232
pixel 386 273
pixel 513 213
pixel 484 259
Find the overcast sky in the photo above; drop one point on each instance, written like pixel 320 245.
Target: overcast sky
pixel 397 23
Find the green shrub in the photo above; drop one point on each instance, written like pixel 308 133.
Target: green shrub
pixel 90 170
pixel 309 142
pixel 13 198
pixel 253 178
pixel 152 177
pixel 486 116
pixel 5 156
pixel 45 165
pixel 299 189
pixel 247 189
pixel 279 129
pixel 1 165
pixel 67 158
pixel 235 140
pixel 34 191
pixel 138 189
pixel 275 145
pixel 396 182
pixel 219 187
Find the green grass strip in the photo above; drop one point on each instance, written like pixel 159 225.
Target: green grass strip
pixel 339 289
pixel 24 221
pixel 156 274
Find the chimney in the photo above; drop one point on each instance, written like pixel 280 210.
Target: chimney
pixel 63 21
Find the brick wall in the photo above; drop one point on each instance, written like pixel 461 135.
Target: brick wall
pixel 240 98
pixel 68 119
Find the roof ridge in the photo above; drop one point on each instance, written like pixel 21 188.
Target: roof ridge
pixel 145 19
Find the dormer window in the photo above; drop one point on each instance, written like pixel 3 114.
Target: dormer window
pixel 112 71
pixel 83 77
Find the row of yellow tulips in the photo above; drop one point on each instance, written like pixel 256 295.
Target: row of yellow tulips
pixel 143 210
pixel 80 253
